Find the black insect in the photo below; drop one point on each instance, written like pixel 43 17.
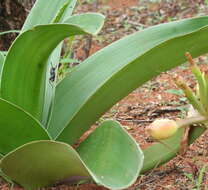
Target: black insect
pixel 52 74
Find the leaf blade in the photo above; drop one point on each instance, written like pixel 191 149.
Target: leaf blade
pixel 112 62
pixel 43 12
pixel 43 39
pixel 2 58
pixel 60 161
pixel 65 11
pixel 56 159
pixel 18 127
pixel 112 156
pixel 84 20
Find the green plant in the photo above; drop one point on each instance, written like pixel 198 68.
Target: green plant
pixel 41 120
pixel 198 182
pixel 9 31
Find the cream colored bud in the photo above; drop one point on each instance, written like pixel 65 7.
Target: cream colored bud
pixel 162 129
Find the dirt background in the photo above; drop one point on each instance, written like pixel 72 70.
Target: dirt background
pixel 155 99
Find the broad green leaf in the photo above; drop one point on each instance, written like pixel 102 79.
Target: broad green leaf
pixel 159 154
pixel 42 163
pixel 112 73
pixel 109 156
pixel 112 156
pixel 43 12
pixel 92 22
pixel 23 76
pixel 83 19
pixel 17 128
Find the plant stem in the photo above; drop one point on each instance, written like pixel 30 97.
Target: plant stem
pixel 192 120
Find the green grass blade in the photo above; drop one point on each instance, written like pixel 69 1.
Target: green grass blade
pixel 109 156
pixel 26 62
pixel 112 73
pixel 17 128
pixel 61 12
pixel 2 58
pixel 69 10
pixel 200 179
pixel 9 31
pixel 206 93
